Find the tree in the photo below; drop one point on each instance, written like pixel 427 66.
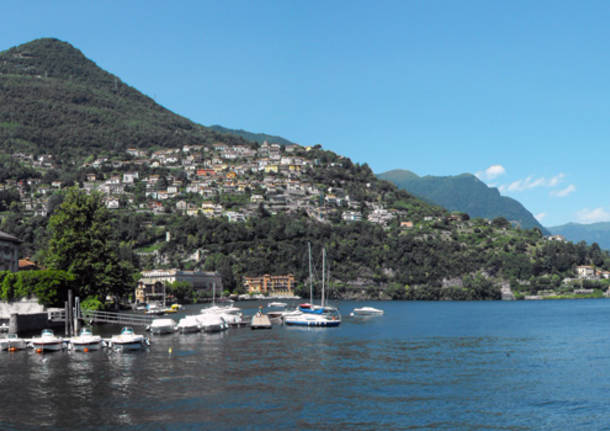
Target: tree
pixel 81 243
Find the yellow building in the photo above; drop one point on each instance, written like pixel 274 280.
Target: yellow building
pixel 272 285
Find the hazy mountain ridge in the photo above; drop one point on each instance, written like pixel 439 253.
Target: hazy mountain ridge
pixel 590 233
pixel 465 193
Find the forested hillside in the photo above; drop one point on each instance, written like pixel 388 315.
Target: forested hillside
pixel 55 100
pixel 180 195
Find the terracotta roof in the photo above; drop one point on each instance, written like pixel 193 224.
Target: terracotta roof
pixel 27 264
pixel 6 237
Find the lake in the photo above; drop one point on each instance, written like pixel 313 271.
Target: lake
pixel 525 365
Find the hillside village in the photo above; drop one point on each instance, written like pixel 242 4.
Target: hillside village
pixel 230 181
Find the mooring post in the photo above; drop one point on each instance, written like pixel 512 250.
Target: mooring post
pixel 76 315
pixel 66 319
pixel 69 316
pixel 13 324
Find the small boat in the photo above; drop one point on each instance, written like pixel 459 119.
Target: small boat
pixel 311 319
pixel 260 321
pixel 211 322
pixel 47 342
pixel 188 325
pixel 276 317
pixel 155 309
pixel 128 340
pixel 162 326
pixel 366 311
pixel 277 305
pixel 233 320
pixel 86 341
pixel 12 343
pixel 220 309
pixel 174 308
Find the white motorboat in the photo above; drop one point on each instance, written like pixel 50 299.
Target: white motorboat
pixel 162 326
pixel 211 322
pixel 312 319
pixel 277 305
pixel 366 311
pixel 276 317
pixel 47 342
pixel 12 343
pixel 128 340
pixel 155 310
pixel 86 341
pixel 220 309
pixel 188 325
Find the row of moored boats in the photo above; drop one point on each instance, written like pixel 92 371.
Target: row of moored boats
pixel 127 339
pixel 211 319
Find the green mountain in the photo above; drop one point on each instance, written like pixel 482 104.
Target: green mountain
pixel 55 100
pixel 465 193
pixel 590 233
pixel 245 216
pixel 252 137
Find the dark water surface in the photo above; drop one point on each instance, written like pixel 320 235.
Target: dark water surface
pixel 539 365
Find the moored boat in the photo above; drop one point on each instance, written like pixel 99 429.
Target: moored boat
pixel 366 311
pixel 162 326
pixel 311 319
pixel 47 342
pixel 86 341
pixel 211 322
pixel 127 340
pixel 174 308
pixel 12 343
pixel 277 305
pixel 188 325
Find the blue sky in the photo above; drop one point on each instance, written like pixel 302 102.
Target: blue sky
pixel 515 91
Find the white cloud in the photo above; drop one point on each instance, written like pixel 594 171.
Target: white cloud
pixel 492 172
pixel 556 179
pixel 563 192
pixel 592 216
pixel 531 183
pixel 540 216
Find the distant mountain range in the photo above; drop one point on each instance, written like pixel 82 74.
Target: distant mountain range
pixel 595 232
pixel 252 137
pixel 465 193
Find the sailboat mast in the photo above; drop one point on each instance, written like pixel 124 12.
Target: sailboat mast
pixel 310 282
pixel 323 269
pixel 214 293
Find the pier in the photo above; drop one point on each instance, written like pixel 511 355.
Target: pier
pixel 94 316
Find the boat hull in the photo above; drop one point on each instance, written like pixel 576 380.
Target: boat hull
pixel 86 347
pixel 48 347
pixel 11 345
pixel 162 330
pixel 213 328
pixel 312 323
pixel 126 347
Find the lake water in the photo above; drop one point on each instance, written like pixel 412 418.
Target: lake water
pixel 538 365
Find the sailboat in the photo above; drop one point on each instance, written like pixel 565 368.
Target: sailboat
pixel 218 317
pixel 308 314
